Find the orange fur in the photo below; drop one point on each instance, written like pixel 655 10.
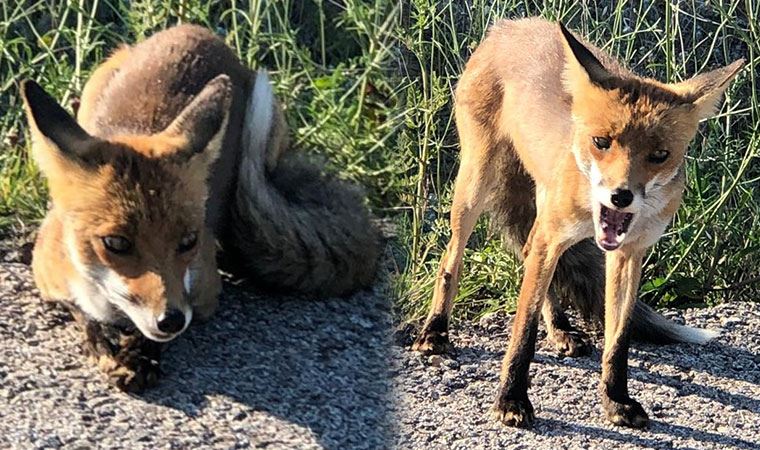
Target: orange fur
pixel 177 145
pixel 149 188
pixel 590 136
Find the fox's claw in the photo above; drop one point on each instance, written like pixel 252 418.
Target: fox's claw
pixel 513 412
pixel 628 414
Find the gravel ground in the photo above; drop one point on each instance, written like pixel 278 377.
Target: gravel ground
pixel 293 373
pixel 265 373
pixel 696 397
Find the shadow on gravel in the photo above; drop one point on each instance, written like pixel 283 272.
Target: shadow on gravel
pixel 720 361
pixel 716 359
pixel 322 365
pixel 656 427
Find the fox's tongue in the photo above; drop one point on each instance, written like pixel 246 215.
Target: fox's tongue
pixel 614 224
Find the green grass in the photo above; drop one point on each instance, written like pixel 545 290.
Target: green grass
pixel 711 253
pixel 330 64
pixel 369 85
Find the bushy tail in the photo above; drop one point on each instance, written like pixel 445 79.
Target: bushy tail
pixel 650 326
pixel 294 227
pixel 579 277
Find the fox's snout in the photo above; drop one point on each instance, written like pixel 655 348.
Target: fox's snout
pixel 160 320
pixel 159 305
pixel 157 302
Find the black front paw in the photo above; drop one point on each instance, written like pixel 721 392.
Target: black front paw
pixel 434 337
pixel 137 364
pixel 513 412
pixel 129 360
pixel 628 413
pixel 432 343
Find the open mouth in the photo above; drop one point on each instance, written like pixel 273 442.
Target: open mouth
pixel 614 225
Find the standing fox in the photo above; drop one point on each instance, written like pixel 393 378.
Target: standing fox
pixel 178 146
pixel 563 143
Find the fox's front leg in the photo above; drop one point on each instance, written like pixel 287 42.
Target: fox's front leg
pixel 623 271
pixel 129 360
pixel 512 406
pixel 202 281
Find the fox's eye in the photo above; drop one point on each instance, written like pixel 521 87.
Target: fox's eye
pixel 658 156
pixel 187 242
pixel 602 143
pixel 117 244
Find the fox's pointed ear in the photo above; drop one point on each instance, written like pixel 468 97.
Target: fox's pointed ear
pixel 704 91
pixel 56 136
pixel 582 65
pixel 200 127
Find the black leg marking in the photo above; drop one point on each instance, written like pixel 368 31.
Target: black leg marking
pixel 434 337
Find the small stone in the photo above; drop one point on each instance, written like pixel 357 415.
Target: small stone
pixel 435 360
pixel 487 320
pixel 730 321
pixel 451 364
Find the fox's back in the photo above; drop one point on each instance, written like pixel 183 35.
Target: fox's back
pixel 514 82
pixel 158 78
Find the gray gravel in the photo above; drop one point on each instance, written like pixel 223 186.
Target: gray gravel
pixel 697 397
pixel 294 373
pixel 267 373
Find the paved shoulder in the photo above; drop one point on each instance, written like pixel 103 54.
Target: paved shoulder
pixel 263 372
pixel 300 374
pixel 697 397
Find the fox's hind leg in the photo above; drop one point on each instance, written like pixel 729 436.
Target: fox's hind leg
pixel 473 184
pixel 567 340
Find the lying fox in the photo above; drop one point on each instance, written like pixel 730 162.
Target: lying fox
pixel 178 146
pixel 563 143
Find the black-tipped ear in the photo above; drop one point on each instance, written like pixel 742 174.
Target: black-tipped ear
pixel 704 91
pixel 53 122
pixel 203 118
pixel 595 70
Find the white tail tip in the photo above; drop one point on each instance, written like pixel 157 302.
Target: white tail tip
pixel 698 335
pixel 258 114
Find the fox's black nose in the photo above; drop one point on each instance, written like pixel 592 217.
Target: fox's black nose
pixel 622 198
pixel 172 321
